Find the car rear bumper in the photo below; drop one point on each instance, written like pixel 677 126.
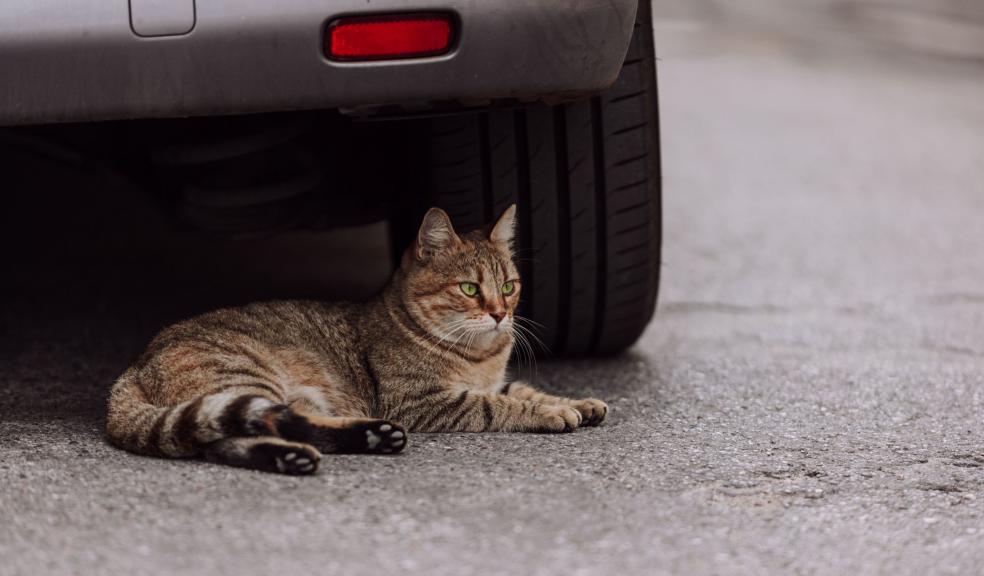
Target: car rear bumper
pixel 81 60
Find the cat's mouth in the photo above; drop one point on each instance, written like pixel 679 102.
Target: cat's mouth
pixel 490 327
pixel 503 327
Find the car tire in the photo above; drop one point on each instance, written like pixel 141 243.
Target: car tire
pixel 586 179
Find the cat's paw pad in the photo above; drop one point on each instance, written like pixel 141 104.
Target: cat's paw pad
pixel 385 437
pixel 294 460
pixel 361 437
pixel 559 419
pixel 592 410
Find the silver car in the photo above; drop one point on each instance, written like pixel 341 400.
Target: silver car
pixel 249 113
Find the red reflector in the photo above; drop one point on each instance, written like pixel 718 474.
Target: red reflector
pixel 387 37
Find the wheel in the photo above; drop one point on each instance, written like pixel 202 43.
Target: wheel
pixel 586 178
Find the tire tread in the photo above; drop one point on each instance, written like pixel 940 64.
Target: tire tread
pixel 586 179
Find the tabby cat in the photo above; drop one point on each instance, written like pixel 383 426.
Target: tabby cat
pixel 271 385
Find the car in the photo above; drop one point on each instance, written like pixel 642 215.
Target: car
pixel 252 116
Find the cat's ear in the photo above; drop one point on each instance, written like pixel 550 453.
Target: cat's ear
pixel 435 234
pixel 505 229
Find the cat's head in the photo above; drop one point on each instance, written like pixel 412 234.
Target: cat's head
pixel 463 288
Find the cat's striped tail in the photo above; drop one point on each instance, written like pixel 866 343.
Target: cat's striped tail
pixel 182 430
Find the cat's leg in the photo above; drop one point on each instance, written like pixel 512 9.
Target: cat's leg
pixel 247 416
pixel 184 429
pixel 265 453
pixel 444 410
pixel 332 434
pixel 592 410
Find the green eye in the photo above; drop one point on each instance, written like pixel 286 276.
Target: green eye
pixel 508 288
pixel 469 288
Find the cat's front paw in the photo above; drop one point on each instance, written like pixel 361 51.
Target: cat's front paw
pixel 366 436
pixel 592 410
pixel 558 419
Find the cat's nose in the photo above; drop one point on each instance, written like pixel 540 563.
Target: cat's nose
pixel 498 315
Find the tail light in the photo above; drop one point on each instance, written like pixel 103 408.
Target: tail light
pixel 390 37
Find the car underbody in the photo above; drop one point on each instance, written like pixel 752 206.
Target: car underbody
pixel 243 120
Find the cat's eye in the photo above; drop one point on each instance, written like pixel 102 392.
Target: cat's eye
pixel 508 288
pixel 469 288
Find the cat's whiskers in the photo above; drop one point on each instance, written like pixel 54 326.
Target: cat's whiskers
pixel 432 350
pixel 524 349
pixel 448 331
pixel 435 342
pixel 530 356
pixel 455 327
pixel 467 333
pixel 432 342
pixel 526 337
pixel 530 332
pixel 471 338
pixel 529 320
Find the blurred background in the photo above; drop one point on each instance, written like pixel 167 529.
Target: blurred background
pixel 824 155
pixel 941 35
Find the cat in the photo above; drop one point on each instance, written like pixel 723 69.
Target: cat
pixel 270 386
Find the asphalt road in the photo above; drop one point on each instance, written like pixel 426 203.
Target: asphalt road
pixel 810 399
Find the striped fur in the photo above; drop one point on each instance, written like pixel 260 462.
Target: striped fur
pixel 270 385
